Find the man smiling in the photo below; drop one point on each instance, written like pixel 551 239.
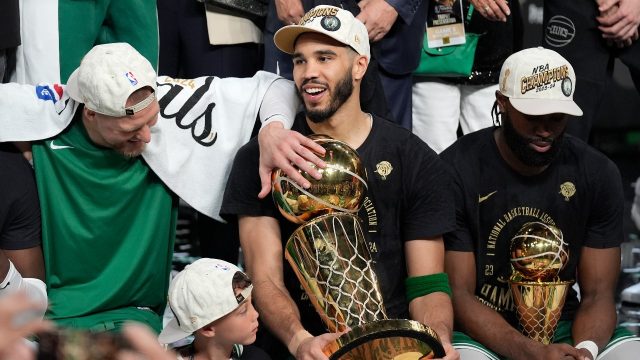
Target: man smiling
pixel 408 206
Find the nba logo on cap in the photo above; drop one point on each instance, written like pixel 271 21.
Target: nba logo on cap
pixel 132 79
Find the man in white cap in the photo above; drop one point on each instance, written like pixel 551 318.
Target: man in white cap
pixel 109 214
pixel 527 170
pixel 407 207
pixel 211 300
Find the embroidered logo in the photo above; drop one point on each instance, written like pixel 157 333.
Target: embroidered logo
pixel 567 86
pixel 560 31
pixel 330 23
pixel 46 93
pixel 503 85
pixel 567 189
pixel 132 78
pixel 58 147
pixel 383 169
pixel 483 198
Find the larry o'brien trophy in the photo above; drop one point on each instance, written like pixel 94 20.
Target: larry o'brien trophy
pixel 538 253
pixel 330 257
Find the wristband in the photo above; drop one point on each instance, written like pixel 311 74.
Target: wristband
pixel 12 281
pixel 296 340
pixel 418 286
pixel 590 346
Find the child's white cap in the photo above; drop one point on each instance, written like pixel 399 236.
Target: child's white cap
pixel 201 293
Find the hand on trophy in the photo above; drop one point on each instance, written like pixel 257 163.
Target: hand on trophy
pixel 287 150
pixel 313 348
pixel 328 254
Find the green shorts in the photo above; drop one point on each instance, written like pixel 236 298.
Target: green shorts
pixel 113 320
pixel 562 335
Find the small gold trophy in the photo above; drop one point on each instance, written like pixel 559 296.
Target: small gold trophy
pixel 329 255
pixel 538 254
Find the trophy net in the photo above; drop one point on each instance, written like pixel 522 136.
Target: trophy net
pixel 539 307
pixel 332 263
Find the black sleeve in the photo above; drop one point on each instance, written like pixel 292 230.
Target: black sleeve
pixel 605 219
pixel 460 238
pixel 243 186
pixel 20 209
pixel 429 211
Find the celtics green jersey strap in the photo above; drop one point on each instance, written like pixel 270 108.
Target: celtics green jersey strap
pixel 108 228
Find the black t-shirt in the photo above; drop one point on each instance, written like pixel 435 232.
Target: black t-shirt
pixel 580 193
pixel 408 202
pixel 9 24
pixel 19 205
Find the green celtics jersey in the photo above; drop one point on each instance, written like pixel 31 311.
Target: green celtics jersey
pixel 108 230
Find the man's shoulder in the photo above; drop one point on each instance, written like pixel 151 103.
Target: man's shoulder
pixel 468 147
pixel 591 162
pixel 392 134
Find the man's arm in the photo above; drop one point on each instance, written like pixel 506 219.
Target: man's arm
pixel 280 147
pixel 28 262
pixel 597 276
pixel 426 257
pixel 474 318
pixel 262 250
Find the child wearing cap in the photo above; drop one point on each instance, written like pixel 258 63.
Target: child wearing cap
pixel 211 300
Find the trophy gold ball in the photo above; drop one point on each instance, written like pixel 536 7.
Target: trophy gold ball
pixel 538 252
pixel 342 188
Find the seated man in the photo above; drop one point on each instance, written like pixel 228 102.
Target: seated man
pixel 21 264
pixel 528 170
pixel 108 214
pixel 407 205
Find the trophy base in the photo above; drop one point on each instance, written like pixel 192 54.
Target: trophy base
pixel 387 340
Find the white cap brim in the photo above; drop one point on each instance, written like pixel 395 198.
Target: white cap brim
pixel 546 106
pixel 285 38
pixel 172 333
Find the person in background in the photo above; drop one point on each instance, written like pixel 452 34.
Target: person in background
pixel 592 34
pixel 442 104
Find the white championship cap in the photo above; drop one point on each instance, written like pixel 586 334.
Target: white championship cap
pixel 539 81
pixel 108 75
pixel 332 21
pixel 201 293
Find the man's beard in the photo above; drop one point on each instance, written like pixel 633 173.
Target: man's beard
pixel 343 91
pixel 130 153
pixel 520 145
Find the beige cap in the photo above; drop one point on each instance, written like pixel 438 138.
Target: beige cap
pixel 332 21
pixel 539 81
pixel 108 75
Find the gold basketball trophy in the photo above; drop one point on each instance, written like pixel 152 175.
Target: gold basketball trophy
pixel 538 254
pixel 330 257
